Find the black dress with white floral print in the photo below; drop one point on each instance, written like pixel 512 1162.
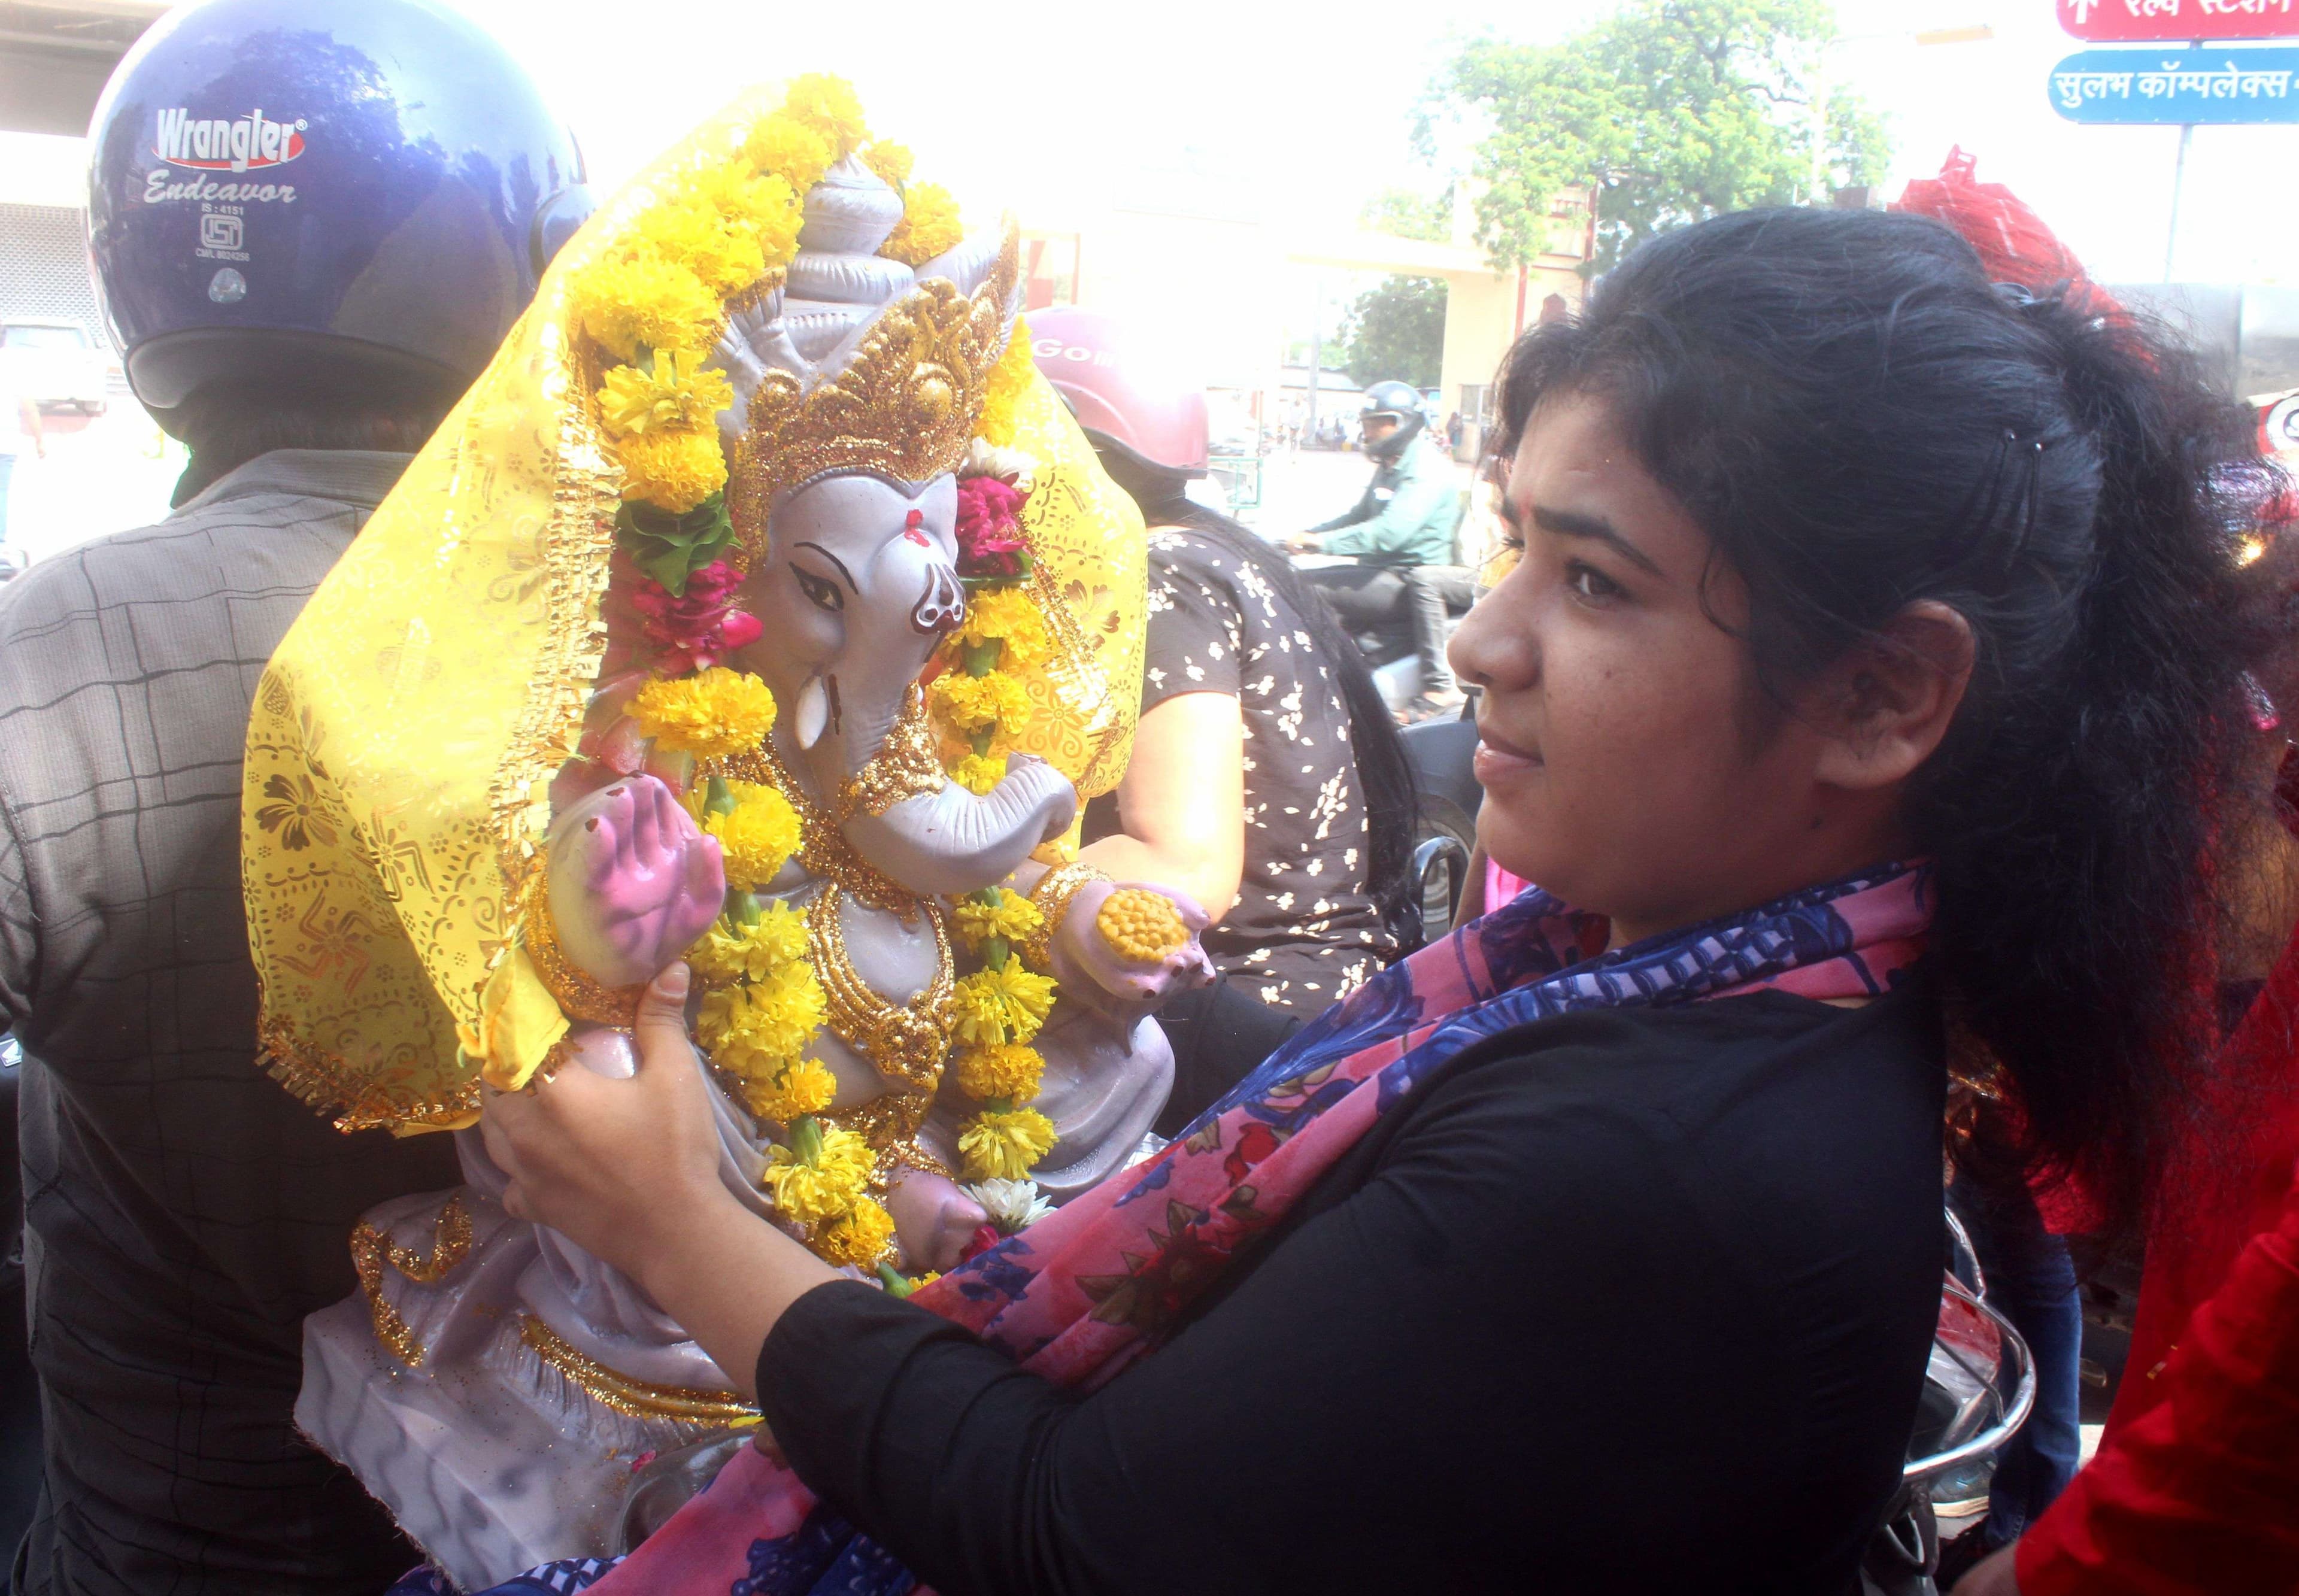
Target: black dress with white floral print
pixel 1304 931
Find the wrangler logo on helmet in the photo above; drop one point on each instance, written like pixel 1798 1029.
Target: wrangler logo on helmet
pixel 215 145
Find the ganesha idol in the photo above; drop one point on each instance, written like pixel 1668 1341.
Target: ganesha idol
pixel 761 607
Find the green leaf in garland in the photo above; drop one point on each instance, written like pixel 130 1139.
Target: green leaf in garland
pixel 671 548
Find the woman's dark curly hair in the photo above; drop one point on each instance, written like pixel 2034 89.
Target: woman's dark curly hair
pixel 1860 419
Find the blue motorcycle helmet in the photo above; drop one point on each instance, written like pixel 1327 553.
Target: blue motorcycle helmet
pixel 355 197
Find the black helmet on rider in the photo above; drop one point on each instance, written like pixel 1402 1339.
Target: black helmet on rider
pixel 1397 404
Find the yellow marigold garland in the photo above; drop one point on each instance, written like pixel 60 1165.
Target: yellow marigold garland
pixel 713 235
pixel 997 703
pixel 672 470
pixel 1006 615
pixel 675 390
pixel 786 145
pixel 757 828
pixel 981 699
pixel 710 715
pixel 1002 1003
pixel 979 773
pixel 820 1175
pixel 801 1087
pixel 929 225
pixel 861 1236
pixel 764 198
pixel 644 302
pixel 828 105
pixel 1009 379
pixel 996 913
pixel 1007 1070
pixel 1005 1144
pixel 730 951
pixel 755 1028
pixel 891 160
pixel 722 251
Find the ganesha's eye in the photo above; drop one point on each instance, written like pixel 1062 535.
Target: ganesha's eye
pixel 822 591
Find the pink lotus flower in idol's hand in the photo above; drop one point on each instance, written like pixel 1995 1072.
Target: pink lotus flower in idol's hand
pixel 698 629
pixel 989 528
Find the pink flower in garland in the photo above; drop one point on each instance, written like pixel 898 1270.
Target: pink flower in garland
pixel 990 528
pixel 696 629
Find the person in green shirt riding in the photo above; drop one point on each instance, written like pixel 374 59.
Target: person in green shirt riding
pixel 1401 536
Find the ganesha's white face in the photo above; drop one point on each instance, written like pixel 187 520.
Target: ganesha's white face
pixel 857 585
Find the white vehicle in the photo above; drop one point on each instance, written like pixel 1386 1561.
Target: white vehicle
pixel 55 363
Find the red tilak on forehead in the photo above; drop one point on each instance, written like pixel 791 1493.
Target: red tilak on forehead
pixel 910 529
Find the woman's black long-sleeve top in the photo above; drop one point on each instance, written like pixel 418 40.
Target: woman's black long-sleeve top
pixel 1630 1300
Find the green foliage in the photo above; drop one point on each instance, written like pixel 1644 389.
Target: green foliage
pixel 1402 213
pixel 671 548
pixel 1674 110
pixel 1395 330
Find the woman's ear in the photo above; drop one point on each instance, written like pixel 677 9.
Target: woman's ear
pixel 1885 706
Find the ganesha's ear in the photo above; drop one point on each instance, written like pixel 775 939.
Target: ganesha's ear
pixel 756 341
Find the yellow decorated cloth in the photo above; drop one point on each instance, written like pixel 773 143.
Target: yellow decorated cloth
pixel 1090 572
pixel 405 734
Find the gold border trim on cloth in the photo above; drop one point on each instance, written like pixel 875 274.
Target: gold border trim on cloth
pixel 577 543
pixel 633 1399
pixel 325 1081
pixel 372 1249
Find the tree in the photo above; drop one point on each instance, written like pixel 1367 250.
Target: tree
pixel 1395 330
pixel 1672 110
pixel 1403 214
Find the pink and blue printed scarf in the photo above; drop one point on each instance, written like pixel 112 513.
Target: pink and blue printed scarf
pixel 1080 1295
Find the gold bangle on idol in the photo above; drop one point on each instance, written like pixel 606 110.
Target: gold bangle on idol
pixel 580 998
pixel 1051 898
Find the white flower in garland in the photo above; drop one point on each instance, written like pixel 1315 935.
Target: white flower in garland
pixel 1011 1204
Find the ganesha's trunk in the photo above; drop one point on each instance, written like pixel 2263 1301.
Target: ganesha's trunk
pixel 858 731
pixel 951 841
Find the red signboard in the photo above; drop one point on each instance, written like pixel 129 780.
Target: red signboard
pixel 2136 22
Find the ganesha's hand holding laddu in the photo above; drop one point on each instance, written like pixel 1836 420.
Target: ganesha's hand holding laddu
pixel 1122 948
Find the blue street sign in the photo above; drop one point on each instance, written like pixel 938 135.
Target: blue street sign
pixel 2163 85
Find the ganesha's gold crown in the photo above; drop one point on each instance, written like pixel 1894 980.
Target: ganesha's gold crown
pixel 906 406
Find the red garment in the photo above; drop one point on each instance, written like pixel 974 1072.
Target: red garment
pixel 2196 1484
pixel 2200 1493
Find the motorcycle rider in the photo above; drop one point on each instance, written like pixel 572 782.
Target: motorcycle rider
pixel 312 222
pixel 1401 536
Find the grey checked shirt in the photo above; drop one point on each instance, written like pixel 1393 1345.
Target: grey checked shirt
pixel 184 1211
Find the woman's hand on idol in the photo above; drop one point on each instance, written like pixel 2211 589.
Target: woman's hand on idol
pixel 1103 976
pixel 622 1167
pixel 633 881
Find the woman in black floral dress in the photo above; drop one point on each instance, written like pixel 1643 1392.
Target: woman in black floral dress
pixel 1267 779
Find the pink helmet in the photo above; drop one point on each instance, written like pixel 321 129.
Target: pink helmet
pixel 1118 384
